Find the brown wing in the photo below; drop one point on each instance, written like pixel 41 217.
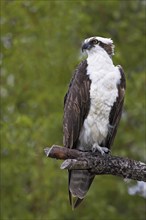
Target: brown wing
pixel 76 105
pixel 116 111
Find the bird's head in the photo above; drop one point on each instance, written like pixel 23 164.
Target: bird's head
pixel 96 44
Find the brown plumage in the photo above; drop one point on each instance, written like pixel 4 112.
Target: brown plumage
pixel 76 108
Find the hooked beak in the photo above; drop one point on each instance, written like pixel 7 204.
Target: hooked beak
pixel 86 46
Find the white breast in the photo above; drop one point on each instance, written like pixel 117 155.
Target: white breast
pixel 103 93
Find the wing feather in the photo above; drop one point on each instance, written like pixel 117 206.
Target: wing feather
pixel 116 111
pixel 76 105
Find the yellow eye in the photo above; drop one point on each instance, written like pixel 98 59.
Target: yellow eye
pixel 95 41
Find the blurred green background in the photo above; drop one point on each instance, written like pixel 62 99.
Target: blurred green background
pixel 40 48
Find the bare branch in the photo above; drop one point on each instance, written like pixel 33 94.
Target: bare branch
pixel 98 164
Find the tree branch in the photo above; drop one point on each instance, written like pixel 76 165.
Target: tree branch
pixel 97 163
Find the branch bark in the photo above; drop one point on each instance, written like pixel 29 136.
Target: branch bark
pixel 97 163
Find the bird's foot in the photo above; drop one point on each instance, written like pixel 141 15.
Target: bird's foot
pixel 102 150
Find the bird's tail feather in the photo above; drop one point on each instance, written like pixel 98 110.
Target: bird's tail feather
pixel 74 201
pixel 79 184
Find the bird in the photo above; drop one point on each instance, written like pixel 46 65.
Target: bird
pixel 92 109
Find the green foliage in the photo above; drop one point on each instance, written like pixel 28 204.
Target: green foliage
pixel 40 43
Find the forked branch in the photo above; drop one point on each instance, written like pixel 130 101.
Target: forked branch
pixel 97 163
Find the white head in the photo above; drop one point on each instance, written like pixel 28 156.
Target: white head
pixel 96 44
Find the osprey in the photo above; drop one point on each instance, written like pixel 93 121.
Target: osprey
pixel 92 108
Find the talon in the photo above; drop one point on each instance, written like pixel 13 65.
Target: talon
pixel 102 150
pixel 105 149
pixel 94 149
